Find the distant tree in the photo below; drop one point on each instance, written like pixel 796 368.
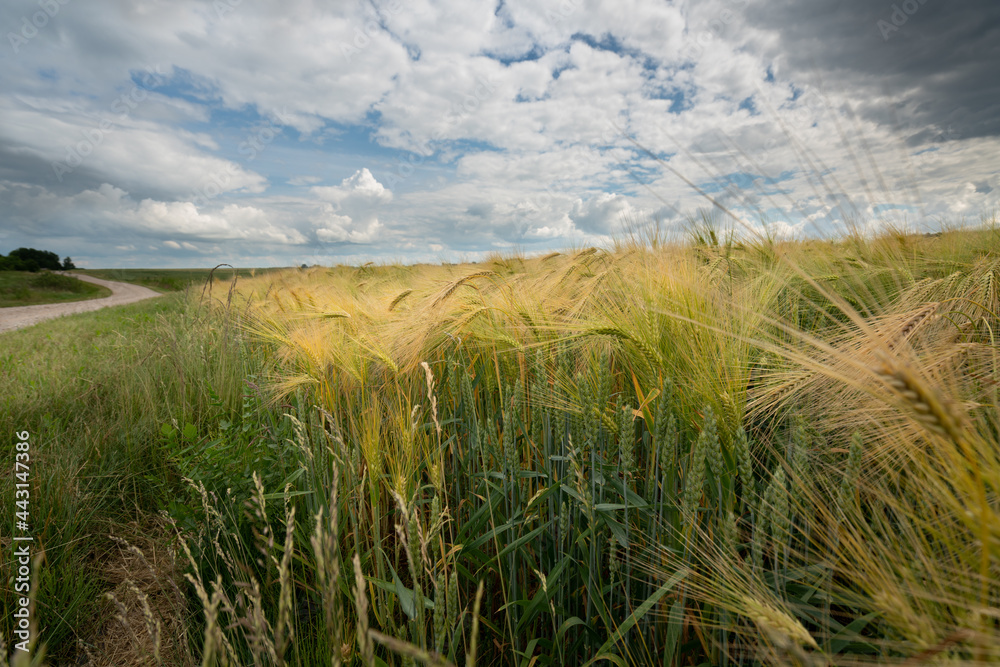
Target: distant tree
pixel 12 263
pixel 68 264
pixel 39 259
pixel 15 263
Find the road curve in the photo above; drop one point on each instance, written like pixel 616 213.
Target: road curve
pixel 19 317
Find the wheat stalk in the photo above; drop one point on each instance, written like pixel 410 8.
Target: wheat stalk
pixel 361 601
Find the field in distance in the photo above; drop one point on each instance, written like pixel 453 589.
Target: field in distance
pixel 170 280
pixel 21 288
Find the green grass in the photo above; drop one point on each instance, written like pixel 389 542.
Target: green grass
pixel 95 391
pixel 20 288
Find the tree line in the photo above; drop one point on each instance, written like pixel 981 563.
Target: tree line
pixel 30 259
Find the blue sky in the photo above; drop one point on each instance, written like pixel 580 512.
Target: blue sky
pixel 194 132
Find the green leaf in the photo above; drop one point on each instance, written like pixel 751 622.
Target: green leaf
pixel 293 477
pixel 617 529
pixel 404 594
pixel 539 603
pixel 482 539
pixel 675 624
pixel 567 624
pixel 641 611
pixel 610 657
pixel 529 650
pixel 522 540
pixel 850 634
pixel 281 494
pixel 608 507
pixel 190 431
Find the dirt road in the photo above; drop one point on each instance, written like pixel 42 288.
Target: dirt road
pixel 19 317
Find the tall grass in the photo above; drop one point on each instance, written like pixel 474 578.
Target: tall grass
pixel 95 391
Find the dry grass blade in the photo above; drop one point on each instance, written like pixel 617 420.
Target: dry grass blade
pixel 427 657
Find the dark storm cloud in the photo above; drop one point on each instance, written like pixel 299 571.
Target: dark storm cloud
pixel 937 59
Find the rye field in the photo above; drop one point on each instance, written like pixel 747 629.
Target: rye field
pixel 710 451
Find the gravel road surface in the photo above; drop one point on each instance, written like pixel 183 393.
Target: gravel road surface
pixel 19 317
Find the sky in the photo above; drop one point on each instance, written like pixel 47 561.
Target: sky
pixel 188 133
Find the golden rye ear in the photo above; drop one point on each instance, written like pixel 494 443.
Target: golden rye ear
pixel 806 414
